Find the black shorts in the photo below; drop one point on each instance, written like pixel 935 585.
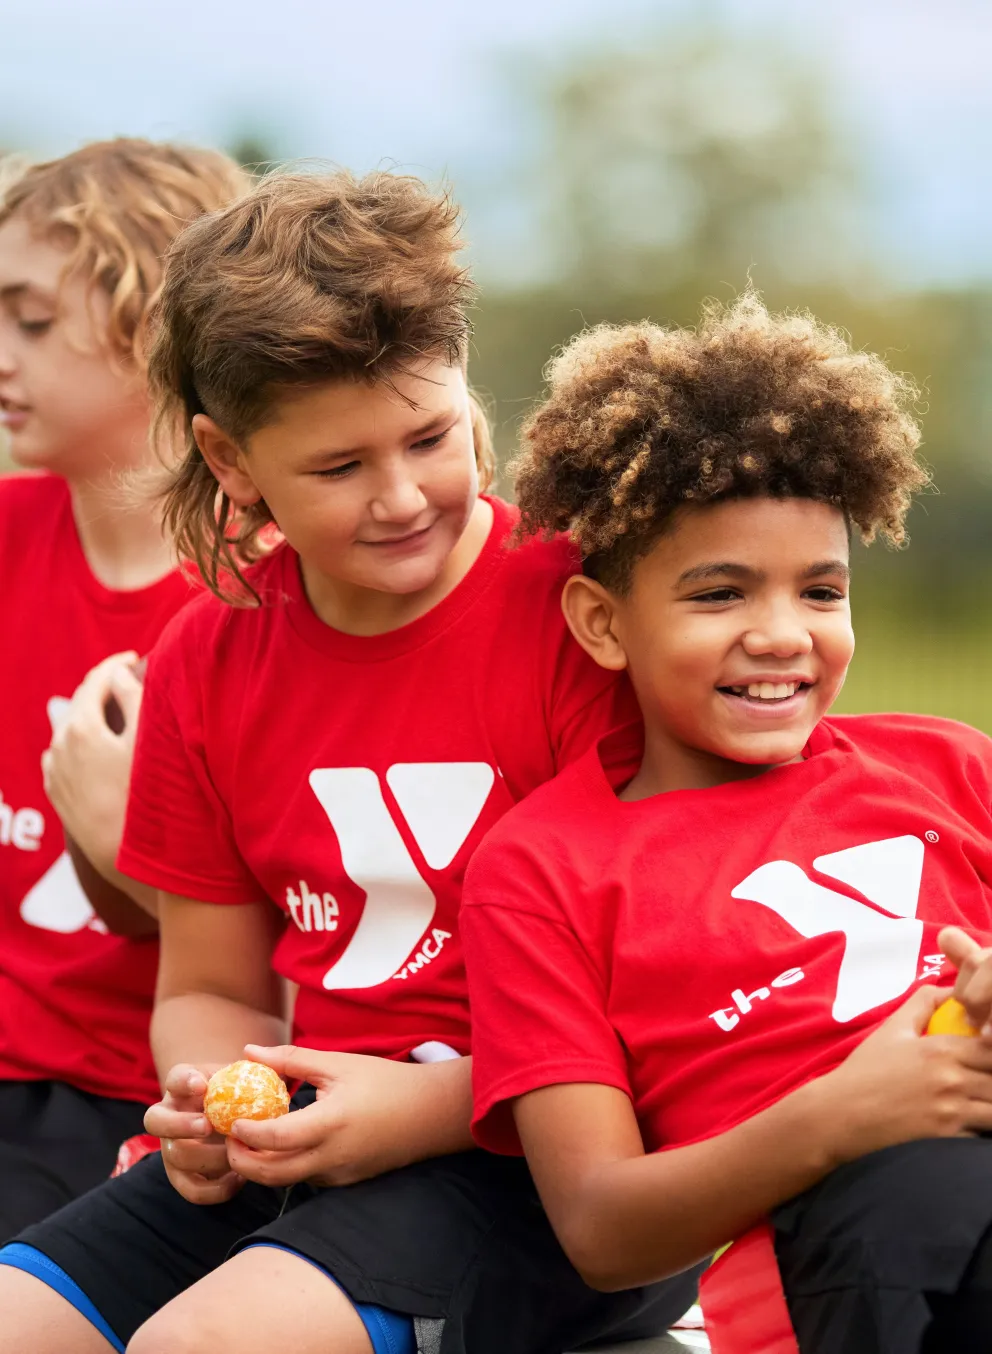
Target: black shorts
pixel 461 1240
pixel 859 1252
pixel 56 1142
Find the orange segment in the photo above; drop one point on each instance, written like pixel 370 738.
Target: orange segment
pixel 950 1017
pixel 244 1090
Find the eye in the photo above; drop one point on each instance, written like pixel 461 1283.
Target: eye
pixel 34 328
pixel 824 593
pixel 428 443
pixel 337 472
pixel 716 596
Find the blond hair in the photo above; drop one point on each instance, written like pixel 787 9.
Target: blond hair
pixel 309 278
pixel 119 204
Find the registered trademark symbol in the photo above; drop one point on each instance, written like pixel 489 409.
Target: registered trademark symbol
pixel 932 836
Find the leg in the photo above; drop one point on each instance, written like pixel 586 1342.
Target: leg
pixel 251 1304
pixel 33 1316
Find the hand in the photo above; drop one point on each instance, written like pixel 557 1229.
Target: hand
pixel 901 1084
pixel 194 1156
pixel 87 768
pixel 371 1115
pixel 973 988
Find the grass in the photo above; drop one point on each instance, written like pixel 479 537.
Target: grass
pixel 937 670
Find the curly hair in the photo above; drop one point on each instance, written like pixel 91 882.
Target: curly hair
pixel 118 205
pixel 310 278
pixel 640 421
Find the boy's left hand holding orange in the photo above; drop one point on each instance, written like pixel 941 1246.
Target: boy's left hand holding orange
pixel 973 988
pixel 371 1115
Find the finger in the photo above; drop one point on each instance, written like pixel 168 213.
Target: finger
pixel 271 1170
pixel 127 690
pixel 200 1191
pixel 979 1116
pixel 292 1063
pixel 297 1132
pixel 957 945
pixel 46 771
pixel 914 1014
pixel 162 1121
pixel 185 1083
pixel 197 1158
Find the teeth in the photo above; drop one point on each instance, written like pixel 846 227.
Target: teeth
pixel 769 691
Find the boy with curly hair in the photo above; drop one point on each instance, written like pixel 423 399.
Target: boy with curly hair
pixel 708 930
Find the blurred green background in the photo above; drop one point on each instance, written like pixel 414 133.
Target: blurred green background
pixel 620 170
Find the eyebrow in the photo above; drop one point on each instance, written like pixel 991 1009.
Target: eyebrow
pixel 700 573
pixel 13 290
pixel 332 453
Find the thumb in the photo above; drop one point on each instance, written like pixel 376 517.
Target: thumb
pixel 292 1063
pixel 128 691
pixel 957 945
pixel 914 1014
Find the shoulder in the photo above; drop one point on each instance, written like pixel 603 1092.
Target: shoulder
pixel 925 745
pixel 891 735
pixel 29 492
pixel 541 834
pixel 535 560
pixel 206 625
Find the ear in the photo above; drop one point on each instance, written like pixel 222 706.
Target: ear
pixel 227 461
pixel 590 612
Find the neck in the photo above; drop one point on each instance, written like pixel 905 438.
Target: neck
pixel 364 611
pixel 670 765
pixel 120 533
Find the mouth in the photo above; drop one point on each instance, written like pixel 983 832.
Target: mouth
pixel 12 415
pixel 410 539
pixel 769 698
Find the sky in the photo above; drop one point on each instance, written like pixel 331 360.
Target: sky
pixel 433 86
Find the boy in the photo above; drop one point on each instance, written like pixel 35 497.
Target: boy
pixel 692 933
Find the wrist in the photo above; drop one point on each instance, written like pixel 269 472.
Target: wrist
pixel 823 1120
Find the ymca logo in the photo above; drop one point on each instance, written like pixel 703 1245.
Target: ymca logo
pixel 881 948
pixel 440 803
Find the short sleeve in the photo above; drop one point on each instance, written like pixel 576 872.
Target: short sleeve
pixel 538 999
pixel 178 835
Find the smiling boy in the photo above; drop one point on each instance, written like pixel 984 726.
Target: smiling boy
pixel 705 934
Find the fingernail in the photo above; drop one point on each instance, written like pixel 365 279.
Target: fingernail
pixel 200 1126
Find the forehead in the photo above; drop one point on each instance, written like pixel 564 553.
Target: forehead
pixel 760 533
pixel 30 258
pixel 355 411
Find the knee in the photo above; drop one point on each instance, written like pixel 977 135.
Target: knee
pixel 178 1332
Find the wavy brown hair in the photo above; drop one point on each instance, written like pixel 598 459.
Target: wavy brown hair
pixel 310 278
pixel 640 421
pixel 117 205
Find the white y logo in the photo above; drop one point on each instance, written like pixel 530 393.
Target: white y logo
pixel 881 951
pixel 441 802
pixel 56 902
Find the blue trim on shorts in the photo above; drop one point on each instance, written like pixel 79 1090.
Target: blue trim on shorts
pixel 33 1261
pixel 390 1332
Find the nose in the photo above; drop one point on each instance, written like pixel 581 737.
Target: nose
pixel 7 364
pixel 779 630
pixel 398 496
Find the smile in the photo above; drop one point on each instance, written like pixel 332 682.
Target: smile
pixel 412 538
pixel 765 691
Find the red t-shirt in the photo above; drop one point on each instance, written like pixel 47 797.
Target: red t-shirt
pixel 707 951
pixel 74 1001
pixel 348 778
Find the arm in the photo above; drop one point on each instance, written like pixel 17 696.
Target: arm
pixel 216 992
pixel 626 1218
pixel 87 769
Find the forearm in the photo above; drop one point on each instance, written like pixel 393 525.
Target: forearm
pixel 640 1219
pixel 440 1111
pixel 208 1031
